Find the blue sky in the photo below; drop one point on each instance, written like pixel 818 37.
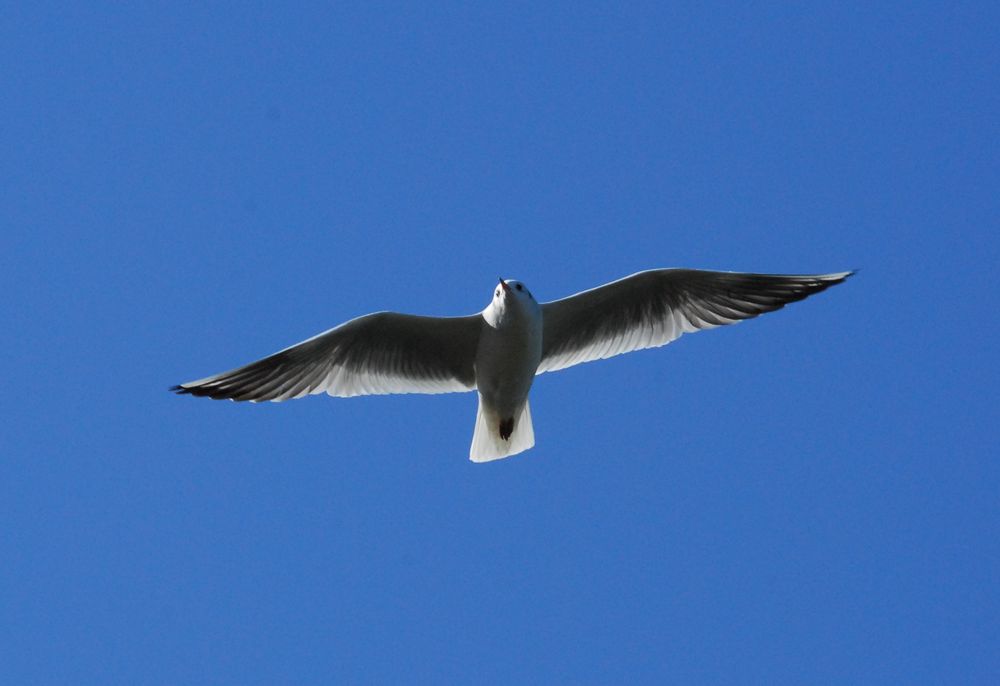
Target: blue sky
pixel 810 497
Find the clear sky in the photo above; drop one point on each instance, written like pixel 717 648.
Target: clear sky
pixel 810 497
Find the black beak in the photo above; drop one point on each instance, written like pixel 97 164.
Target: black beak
pixel 504 285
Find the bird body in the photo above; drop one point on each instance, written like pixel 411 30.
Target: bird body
pixel 507 358
pixel 499 351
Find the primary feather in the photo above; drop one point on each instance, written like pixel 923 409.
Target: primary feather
pixel 376 354
pixel 653 308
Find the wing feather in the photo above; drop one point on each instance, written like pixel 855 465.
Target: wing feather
pixel 655 307
pixel 379 353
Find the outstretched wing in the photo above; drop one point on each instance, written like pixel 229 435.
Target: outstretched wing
pixel 655 307
pixel 376 354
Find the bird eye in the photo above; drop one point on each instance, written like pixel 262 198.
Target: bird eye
pixel 498 292
pixel 520 287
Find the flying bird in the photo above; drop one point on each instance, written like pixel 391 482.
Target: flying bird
pixel 499 351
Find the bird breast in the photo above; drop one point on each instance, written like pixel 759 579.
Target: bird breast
pixel 507 359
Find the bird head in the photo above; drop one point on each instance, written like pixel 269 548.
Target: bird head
pixel 510 291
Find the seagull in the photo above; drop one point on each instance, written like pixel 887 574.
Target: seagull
pixel 499 351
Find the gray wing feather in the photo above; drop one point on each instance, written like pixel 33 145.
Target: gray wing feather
pixel 653 308
pixel 376 354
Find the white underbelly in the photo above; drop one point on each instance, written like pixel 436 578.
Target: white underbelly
pixel 506 363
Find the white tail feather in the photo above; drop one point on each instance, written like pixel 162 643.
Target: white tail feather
pixel 486 442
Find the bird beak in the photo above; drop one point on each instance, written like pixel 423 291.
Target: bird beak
pixel 504 285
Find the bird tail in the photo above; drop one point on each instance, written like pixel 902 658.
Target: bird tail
pixel 487 441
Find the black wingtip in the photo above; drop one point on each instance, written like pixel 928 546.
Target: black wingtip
pixel 848 274
pixel 180 390
pixel 841 277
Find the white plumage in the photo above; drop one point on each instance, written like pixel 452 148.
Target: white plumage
pixel 500 350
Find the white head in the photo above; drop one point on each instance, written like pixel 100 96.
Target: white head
pixel 511 299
